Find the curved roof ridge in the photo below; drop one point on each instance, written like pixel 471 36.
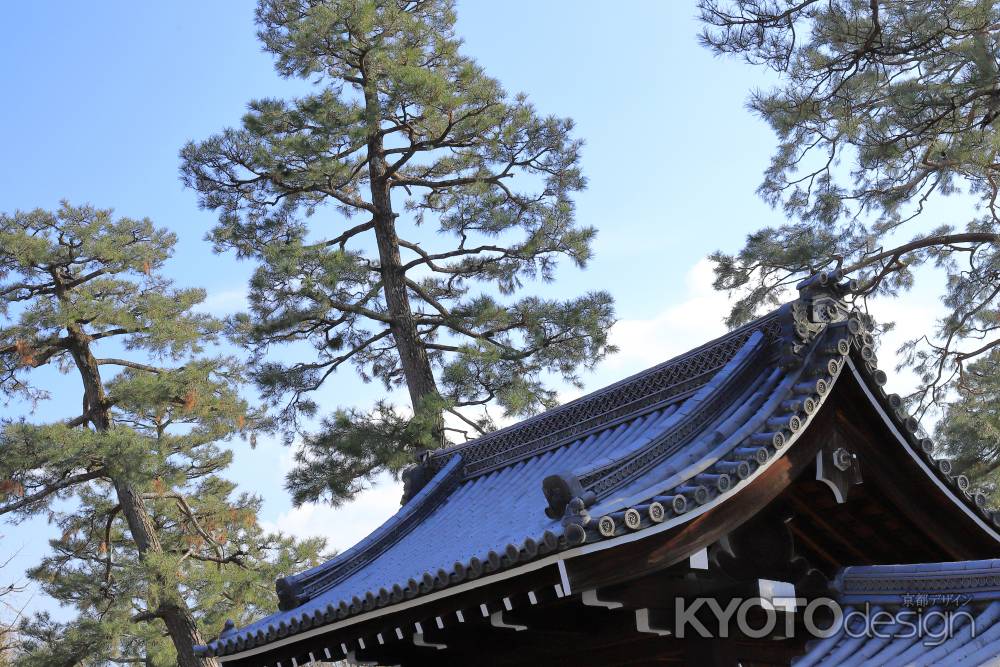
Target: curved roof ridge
pixel 606 407
pixel 776 423
pixel 761 412
pixel 610 473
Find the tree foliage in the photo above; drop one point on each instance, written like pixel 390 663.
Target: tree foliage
pixel 155 549
pixel 334 194
pixel 970 430
pixel 881 107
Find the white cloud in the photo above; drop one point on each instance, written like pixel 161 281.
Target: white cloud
pixel 225 302
pixel 342 526
pixel 695 317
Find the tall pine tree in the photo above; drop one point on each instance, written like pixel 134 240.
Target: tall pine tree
pixel 156 549
pixel 335 194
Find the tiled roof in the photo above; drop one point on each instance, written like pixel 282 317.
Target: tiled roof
pixel 625 458
pixel 953 612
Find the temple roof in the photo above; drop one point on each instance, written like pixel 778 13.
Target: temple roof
pixel 652 450
pixel 953 610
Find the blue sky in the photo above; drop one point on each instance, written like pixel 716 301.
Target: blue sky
pixel 99 98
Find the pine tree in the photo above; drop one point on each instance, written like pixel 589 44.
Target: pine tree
pixel 970 429
pixel 881 108
pixel 329 192
pixel 156 549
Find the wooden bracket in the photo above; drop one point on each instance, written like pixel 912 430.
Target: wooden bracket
pixel 644 624
pixel 839 469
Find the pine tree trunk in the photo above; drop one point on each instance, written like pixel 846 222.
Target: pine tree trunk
pixel 176 616
pixel 412 354
pixel 413 358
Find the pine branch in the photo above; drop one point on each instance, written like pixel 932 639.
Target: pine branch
pixel 919 244
pixel 185 507
pixel 125 363
pixel 52 488
pixel 342 239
